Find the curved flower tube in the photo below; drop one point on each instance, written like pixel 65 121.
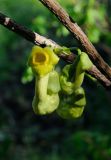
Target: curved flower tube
pixel 73 97
pixel 84 64
pixel 46 98
pixel 73 75
pixel 42 60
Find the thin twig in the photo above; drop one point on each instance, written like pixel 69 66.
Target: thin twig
pixel 42 41
pixel 79 35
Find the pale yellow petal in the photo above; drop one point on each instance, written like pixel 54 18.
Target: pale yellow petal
pixel 42 60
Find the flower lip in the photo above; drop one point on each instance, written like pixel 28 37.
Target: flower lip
pixel 40 58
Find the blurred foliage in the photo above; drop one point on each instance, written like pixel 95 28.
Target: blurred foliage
pixel 26 136
pixel 87 145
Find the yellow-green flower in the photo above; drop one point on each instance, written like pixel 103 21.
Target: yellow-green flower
pixel 42 60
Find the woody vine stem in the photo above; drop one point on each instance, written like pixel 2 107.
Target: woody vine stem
pixel 79 35
pixel 103 75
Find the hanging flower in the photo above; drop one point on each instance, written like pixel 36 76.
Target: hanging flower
pixel 46 99
pixel 42 60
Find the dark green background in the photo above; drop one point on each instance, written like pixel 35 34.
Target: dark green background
pixel 25 136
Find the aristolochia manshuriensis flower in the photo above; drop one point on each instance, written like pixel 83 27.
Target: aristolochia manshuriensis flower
pixel 42 60
pixel 73 95
pixel 46 98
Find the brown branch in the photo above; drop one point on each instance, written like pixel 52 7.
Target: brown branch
pixel 24 32
pixel 42 41
pixel 79 35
